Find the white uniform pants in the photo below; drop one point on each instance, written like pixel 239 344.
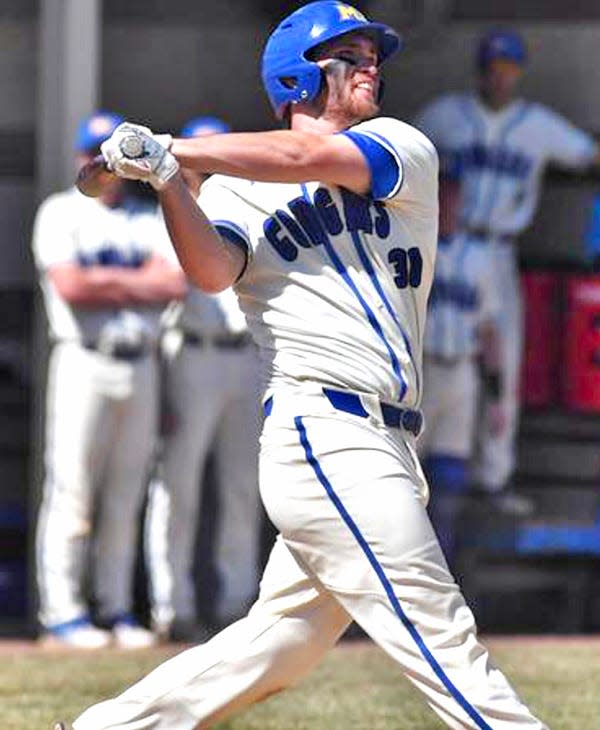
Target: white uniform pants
pixel 348 497
pixel 100 429
pixel 497 452
pixel 449 406
pixel 215 396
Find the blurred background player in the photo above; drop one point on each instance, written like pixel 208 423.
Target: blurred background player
pixel 211 394
pixel 502 144
pixel 461 348
pixel 105 283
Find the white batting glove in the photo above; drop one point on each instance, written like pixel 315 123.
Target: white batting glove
pixel 135 153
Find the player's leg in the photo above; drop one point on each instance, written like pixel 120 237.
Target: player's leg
pixel 76 445
pixel 288 630
pixel 236 452
pixel 170 545
pixel 134 393
pixel 356 518
pixel 446 463
pixel 497 450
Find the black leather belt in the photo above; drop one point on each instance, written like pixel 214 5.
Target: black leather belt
pixel 443 361
pixel 120 352
pixel 486 234
pixel 221 342
pixel 393 416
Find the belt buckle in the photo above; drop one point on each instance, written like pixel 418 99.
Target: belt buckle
pixel 128 352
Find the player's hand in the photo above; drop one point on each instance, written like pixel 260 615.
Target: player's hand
pixel 496 418
pixel 135 153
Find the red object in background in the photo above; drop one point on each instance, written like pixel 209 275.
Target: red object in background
pixel 543 333
pixel 581 369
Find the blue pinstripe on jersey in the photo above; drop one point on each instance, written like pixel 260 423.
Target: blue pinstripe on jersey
pixel 384 580
pixel 366 262
pixel 511 124
pixel 470 113
pixel 343 272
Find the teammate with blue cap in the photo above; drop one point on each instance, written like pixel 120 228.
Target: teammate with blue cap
pixel 327 231
pixel 106 277
pixel 500 145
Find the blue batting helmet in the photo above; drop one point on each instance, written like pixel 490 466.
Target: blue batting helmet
pixel 288 74
pixel 204 125
pixel 95 129
pixel 501 44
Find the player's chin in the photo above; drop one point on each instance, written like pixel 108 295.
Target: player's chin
pixel 365 107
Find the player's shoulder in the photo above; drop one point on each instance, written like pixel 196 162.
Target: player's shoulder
pixel 540 113
pixel 62 203
pixel 395 133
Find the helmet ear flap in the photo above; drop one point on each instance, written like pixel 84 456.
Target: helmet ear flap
pixel 380 90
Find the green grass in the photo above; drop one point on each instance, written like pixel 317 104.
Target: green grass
pixel 356 687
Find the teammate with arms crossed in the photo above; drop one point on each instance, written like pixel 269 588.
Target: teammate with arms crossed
pixel 328 232
pixel 106 279
pixel 502 144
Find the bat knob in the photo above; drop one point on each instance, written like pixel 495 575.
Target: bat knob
pixel 132 146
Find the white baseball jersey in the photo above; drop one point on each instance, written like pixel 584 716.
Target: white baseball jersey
pixel 461 298
pixel 361 269
pixel 72 228
pixel 501 155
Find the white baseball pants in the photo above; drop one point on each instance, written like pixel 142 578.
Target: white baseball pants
pixel 497 451
pixel 101 417
pixel 348 497
pixel 450 407
pixel 214 393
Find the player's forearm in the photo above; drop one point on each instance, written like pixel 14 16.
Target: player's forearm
pixel 211 263
pixel 99 287
pixel 284 156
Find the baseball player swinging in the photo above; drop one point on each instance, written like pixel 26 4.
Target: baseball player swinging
pixel 327 230
pixel 501 145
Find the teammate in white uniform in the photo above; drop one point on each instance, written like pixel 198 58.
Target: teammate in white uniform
pixel 105 283
pixel 461 341
pixel 502 145
pixel 332 250
pixel 212 390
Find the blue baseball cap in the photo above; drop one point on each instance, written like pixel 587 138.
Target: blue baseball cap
pixel 506 45
pixel 95 129
pixel 199 126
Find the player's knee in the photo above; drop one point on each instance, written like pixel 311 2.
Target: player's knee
pixel 446 474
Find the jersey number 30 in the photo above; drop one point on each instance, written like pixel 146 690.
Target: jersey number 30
pixel 407 265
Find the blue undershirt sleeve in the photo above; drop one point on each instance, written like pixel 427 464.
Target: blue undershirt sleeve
pixel 385 167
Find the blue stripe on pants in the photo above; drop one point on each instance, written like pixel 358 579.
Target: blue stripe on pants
pixel 387 586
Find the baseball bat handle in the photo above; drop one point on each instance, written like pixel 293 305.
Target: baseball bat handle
pixel 94 177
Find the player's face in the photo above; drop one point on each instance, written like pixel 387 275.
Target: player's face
pixel 350 64
pixel 499 81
